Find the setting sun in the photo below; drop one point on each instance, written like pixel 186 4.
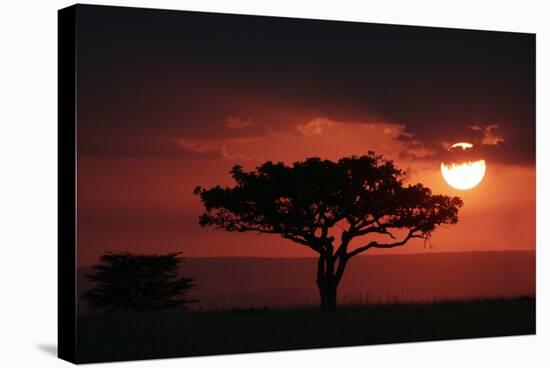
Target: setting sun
pixel 463 175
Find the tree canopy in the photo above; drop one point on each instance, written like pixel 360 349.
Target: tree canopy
pixel 303 201
pixel 136 282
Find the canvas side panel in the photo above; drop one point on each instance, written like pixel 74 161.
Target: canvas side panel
pixel 66 184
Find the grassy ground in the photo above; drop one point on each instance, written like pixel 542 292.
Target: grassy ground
pixel 173 334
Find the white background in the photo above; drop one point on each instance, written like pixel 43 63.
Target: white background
pixel 28 182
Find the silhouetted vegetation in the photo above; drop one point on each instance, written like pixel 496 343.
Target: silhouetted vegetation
pixel 173 334
pixel 136 282
pixel 305 202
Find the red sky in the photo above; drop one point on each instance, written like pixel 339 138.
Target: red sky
pixel 176 101
pixel 146 204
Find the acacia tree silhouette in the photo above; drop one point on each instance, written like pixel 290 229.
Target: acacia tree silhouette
pixel 307 201
pixel 136 282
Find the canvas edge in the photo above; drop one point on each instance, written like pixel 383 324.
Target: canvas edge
pixel 294 18
pixel 67 173
pixel 66 160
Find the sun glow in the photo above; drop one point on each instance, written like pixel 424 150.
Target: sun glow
pixel 463 175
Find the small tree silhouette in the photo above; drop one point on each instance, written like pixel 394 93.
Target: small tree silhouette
pixel 305 202
pixel 136 282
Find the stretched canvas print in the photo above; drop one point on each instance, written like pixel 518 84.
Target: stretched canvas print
pixel 233 183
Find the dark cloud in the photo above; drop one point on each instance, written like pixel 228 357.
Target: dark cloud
pixel 488 143
pixel 147 147
pixel 155 76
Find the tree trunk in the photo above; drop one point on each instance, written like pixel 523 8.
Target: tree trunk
pixel 327 282
pixel 328 293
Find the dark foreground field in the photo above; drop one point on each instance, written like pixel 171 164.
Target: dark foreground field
pixel 173 334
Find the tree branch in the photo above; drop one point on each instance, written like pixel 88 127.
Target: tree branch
pixel 374 244
pixel 342 261
pixel 345 239
pixel 364 224
pixel 374 229
pixel 299 240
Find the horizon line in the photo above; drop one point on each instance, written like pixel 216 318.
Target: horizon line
pixel 361 255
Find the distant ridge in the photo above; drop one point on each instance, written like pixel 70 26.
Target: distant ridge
pixel 226 282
